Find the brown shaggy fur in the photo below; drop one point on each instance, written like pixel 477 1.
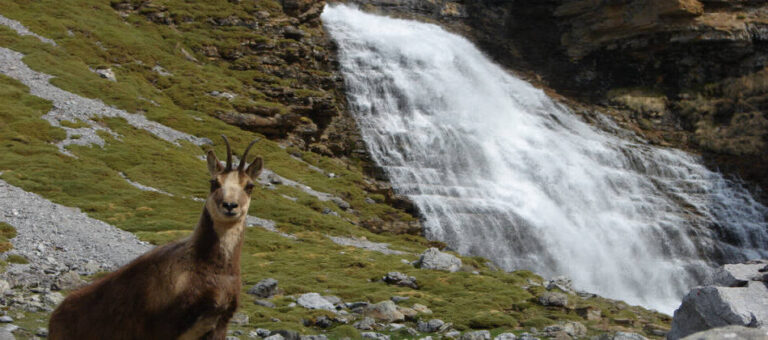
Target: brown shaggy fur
pixel 188 289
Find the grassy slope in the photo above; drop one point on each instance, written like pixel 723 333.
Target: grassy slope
pixel 311 263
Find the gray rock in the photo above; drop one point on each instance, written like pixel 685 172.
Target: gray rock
pixel 314 337
pixel 42 332
pixel 730 333
pixel 6 319
pixel 344 205
pixel 561 282
pixel 52 299
pixel 737 275
pixel 400 279
pixel 335 300
pixel 294 33
pixel 433 258
pixel 231 337
pixel 454 334
pixel 553 299
pixel 265 289
pixel 263 332
pixel 264 303
pixel 314 301
pixel 374 335
pixel 366 324
pixel 239 319
pixel 69 281
pixel 506 336
pixel 709 307
pixel 476 335
pixel 106 73
pixel 627 336
pixel 275 337
pixel 5 334
pixel 384 310
pixel 4 287
pixel 397 299
pixel 369 200
pixel 430 326
pixel 288 334
pixel 421 308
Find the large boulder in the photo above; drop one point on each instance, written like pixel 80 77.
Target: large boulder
pixel 742 302
pixel 731 333
pixel 433 258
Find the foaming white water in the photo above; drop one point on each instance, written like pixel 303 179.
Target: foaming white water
pixel 500 170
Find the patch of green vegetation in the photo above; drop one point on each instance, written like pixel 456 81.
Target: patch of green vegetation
pixel 74 124
pixel 18 259
pixel 7 232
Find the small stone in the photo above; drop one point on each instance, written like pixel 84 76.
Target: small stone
pixel 553 299
pixel 384 310
pixel 561 282
pixel 314 301
pixel 344 205
pixel 369 200
pixel 374 335
pixel 239 319
pixel 52 299
pixel 6 319
pixel 409 313
pixel 430 326
pixel 106 73
pixel 433 258
pixel 400 279
pixel 4 287
pixel 230 337
pixel 454 334
pixel 366 324
pixel 397 299
pixel 275 337
pixel 262 332
pixel 506 336
pixel 69 281
pixel 267 303
pixel 266 288
pixel 476 335
pixel 421 308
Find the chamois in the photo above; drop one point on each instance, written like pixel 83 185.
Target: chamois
pixel 187 289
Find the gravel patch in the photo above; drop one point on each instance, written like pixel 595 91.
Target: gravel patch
pixel 21 30
pixel 56 239
pixel 365 244
pixel 68 106
pixel 270 225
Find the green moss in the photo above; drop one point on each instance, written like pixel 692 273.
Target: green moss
pixel 18 259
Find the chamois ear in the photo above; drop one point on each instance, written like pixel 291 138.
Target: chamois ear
pixel 214 166
pixel 255 168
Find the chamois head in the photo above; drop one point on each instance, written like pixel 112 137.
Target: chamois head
pixel 231 189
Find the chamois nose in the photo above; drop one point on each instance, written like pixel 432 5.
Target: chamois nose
pixel 229 205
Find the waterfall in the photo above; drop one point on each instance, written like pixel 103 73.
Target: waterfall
pixel 498 169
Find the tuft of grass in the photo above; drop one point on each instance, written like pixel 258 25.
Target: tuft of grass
pixel 7 232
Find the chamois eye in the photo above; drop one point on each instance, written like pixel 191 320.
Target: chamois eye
pixel 249 187
pixel 214 184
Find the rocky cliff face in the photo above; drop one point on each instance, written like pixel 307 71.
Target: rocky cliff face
pixel 281 53
pixel 685 73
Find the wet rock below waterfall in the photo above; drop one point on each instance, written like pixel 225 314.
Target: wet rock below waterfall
pixel 742 302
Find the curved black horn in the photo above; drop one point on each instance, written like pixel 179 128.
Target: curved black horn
pixel 229 154
pixel 241 166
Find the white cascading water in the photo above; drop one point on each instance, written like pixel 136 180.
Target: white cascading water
pixel 500 170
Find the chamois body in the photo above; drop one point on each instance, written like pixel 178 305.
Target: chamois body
pixel 187 289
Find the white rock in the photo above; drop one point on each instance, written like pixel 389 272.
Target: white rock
pixel 315 301
pixel 433 258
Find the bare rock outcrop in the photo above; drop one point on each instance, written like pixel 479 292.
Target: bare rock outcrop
pixel 738 297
